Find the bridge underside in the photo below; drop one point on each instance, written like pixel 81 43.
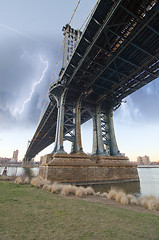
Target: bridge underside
pixel 116 55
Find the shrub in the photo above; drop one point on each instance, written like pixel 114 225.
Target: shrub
pixel 69 189
pixel 56 187
pixel 98 194
pixel 105 195
pixel 19 180
pixel 90 191
pixel 119 195
pixel 149 202
pixel 144 201
pixel 81 192
pixel 26 180
pixel 112 193
pixel 132 199
pixel 124 200
pixel 38 182
pixel 152 204
pixel 47 187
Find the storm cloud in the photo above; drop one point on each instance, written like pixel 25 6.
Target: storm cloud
pixel 22 64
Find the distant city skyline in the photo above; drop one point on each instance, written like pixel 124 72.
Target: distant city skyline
pixel 145 160
pixel 31 35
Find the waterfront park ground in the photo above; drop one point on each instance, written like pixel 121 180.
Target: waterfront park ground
pixel 30 213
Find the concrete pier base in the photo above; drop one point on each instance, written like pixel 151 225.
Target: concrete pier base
pixel 86 169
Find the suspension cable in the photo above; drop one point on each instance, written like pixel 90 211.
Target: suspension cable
pixel 88 16
pixel 56 66
pixel 74 12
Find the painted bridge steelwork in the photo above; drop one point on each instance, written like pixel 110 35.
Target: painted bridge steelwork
pixel 117 53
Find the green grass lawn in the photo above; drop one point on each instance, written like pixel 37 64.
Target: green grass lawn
pixel 34 214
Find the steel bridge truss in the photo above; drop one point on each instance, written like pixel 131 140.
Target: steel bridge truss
pixel 117 53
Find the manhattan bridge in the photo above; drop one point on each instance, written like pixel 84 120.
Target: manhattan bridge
pixel 116 54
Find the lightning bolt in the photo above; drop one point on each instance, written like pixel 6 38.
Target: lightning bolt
pixel 35 84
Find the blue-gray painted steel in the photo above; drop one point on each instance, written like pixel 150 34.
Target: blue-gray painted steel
pixel 118 53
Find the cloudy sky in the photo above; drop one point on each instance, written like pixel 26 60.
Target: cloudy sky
pixel 30 39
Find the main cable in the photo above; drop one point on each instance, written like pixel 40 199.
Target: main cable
pixel 56 67
pixel 74 12
pixel 88 16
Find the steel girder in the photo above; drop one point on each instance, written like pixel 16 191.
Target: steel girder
pixel 118 53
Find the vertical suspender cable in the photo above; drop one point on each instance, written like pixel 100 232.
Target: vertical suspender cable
pixel 56 65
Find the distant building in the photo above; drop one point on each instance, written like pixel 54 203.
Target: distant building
pixel 145 160
pixel 139 161
pixel 154 163
pixel 41 159
pixel 15 156
pixel 5 160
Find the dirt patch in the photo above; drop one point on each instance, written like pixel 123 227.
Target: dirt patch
pixel 7 178
pixel 106 201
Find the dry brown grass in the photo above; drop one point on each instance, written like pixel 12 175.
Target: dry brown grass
pixel 90 191
pixel 124 199
pixel 47 187
pixel 56 187
pixel 144 201
pixel 152 205
pixel 98 194
pixel 112 194
pixel 81 192
pixel 105 195
pixel 69 189
pixel 26 180
pixel 22 180
pixel 150 202
pixel 132 199
pixel 19 180
pixel 35 182
pixel 119 195
pixel 38 182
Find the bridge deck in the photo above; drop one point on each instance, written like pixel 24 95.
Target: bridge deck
pixel 118 53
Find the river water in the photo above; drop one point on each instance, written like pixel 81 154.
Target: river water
pixel 18 171
pixel 148 185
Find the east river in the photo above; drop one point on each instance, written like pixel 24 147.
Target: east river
pixel 148 185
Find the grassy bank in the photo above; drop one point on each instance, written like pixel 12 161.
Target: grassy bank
pixel 30 213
